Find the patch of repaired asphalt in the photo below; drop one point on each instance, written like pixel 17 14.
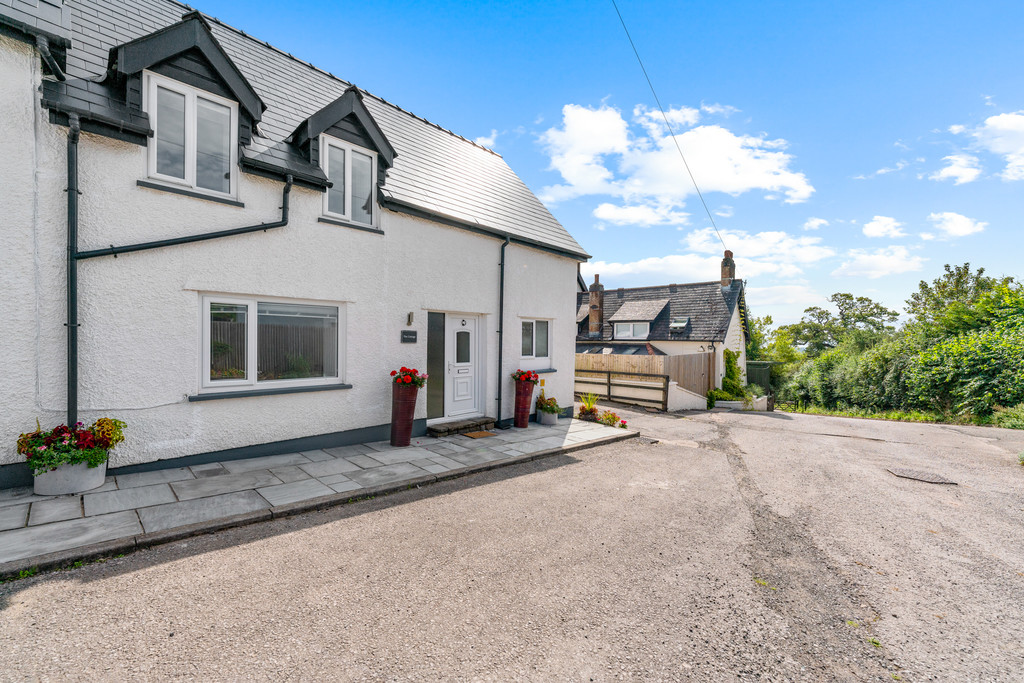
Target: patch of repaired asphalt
pixel 813 596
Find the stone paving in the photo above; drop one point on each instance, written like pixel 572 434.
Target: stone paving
pixel 144 503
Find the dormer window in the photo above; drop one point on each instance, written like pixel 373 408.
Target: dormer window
pixel 632 330
pixel 194 137
pixel 352 170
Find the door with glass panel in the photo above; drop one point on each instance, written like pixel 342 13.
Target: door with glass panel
pixel 461 395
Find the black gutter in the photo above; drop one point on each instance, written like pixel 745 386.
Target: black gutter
pixel 188 239
pixel 43 45
pixel 501 328
pixel 74 130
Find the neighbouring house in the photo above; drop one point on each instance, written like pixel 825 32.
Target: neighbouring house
pixel 671 320
pixel 229 248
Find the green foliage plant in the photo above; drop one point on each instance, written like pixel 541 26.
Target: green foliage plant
pixel 547 405
pixel 47 450
pixel 588 407
pixel 1009 418
pixel 611 419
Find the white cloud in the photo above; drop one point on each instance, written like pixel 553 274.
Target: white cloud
pixel 786 303
pixel 961 168
pixel 597 152
pixel 723 109
pixel 642 215
pixel 815 223
pixel 900 165
pixel 879 263
pixel 927 236
pixel 488 140
pixel 955 225
pixel 1003 134
pixel 883 226
pixel 770 252
pixel 657 270
pixel 956 129
pixel 725 211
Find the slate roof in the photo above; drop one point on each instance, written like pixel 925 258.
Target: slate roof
pixel 583 313
pixel 436 171
pixel 708 305
pixel 638 310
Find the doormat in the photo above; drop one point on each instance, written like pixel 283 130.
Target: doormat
pixel 478 435
pixel 918 475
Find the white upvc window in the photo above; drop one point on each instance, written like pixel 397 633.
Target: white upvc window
pixel 632 330
pixel 195 137
pixel 353 172
pixel 266 342
pixel 536 342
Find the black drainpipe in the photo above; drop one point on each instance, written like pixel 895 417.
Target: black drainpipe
pixel 501 328
pixel 74 256
pixel 72 324
pixel 43 45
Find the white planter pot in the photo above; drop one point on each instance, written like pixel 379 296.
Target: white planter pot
pixel 547 418
pixel 70 479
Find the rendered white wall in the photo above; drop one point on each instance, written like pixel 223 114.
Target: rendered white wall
pixel 141 320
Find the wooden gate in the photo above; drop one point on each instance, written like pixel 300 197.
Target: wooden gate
pixel 692 371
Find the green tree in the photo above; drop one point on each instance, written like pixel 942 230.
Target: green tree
pixel 821 330
pixel 944 305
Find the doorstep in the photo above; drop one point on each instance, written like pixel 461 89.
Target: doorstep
pixel 138 510
pixel 474 424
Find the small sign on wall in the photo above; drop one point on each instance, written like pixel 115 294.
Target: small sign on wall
pixel 408 336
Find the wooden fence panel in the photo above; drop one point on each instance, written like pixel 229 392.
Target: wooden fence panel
pixel 652 365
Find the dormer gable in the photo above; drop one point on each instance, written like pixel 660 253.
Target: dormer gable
pixel 187 52
pixel 348 119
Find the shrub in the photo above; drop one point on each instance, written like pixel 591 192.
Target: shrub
pixel 1009 418
pixel 718 395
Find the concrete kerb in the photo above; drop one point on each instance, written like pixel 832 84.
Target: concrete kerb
pixel 106 549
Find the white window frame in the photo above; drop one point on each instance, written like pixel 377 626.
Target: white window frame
pixel 326 142
pixel 534 345
pixel 632 331
pixel 152 82
pixel 208 385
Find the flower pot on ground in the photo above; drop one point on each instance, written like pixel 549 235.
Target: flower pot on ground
pixel 547 410
pixel 65 460
pixel 588 407
pixel 525 380
pixel 405 385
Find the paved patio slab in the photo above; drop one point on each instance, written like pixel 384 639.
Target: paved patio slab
pixel 55 510
pixel 13 516
pixel 282 494
pixel 386 474
pixel 127 499
pixel 200 510
pixel 75 533
pixel 227 483
pixel 125 481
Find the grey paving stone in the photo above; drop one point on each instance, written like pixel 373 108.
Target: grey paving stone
pixel 528 447
pixel 332 466
pixel 13 517
pixel 387 474
pixel 344 486
pixel 478 457
pixel 455 448
pixel 127 481
pixel 213 486
pixel 293 492
pixel 109 484
pixel 172 515
pixel 348 451
pixel 210 469
pixel 446 462
pixel 439 449
pixel 265 463
pixel 127 499
pixel 397 455
pixel 50 538
pixel 316 456
pixel 289 474
pixel 364 461
pixel 55 510
pixel 550 442
pixel 334 479
pixel 430 466
pixel 380 445
pixel 18 495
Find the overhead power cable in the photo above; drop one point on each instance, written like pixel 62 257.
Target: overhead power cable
pixel 668 123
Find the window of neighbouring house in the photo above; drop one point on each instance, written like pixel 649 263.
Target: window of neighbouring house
pixel 194 132
pixel 250 342
pixel 352 171
pixel 632 330
pixel 535 339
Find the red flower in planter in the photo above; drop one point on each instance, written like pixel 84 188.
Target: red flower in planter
pixel 394 372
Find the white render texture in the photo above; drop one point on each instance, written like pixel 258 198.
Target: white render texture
pixel 140 313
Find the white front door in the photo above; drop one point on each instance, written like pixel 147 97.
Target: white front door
pixel 461 351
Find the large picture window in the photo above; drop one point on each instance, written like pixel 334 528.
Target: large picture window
pixel 194 133
pixel 351 170
pixel 535 339
pixel 255 342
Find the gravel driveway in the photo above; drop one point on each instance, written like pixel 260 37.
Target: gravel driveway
pixel 740 547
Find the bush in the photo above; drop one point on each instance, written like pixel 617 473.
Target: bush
pixel 1009 418
pixel 718 395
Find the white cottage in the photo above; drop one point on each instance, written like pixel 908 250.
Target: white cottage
pixel 248 245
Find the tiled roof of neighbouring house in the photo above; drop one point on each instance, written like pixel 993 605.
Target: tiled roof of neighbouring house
pixel 708 305
pixel 436 171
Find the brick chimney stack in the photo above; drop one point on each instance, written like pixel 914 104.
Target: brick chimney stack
pixel 728 269
pixel 596 306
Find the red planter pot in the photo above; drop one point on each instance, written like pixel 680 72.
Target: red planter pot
pixel 403 407
pixel 524 395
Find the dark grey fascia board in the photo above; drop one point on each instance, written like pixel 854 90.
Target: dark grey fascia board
pixel 269 170
pixel 418 212
pixel 350 103
pixel 101 124
pixel 249 393
pixel 192 32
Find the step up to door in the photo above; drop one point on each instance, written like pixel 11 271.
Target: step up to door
pixel 475 424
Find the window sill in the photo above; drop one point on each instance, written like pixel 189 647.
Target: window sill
pixel 541 372
pixel 188 193
pixel 213 396
pixel 346 224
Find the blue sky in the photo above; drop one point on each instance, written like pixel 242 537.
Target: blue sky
pixel 854 148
